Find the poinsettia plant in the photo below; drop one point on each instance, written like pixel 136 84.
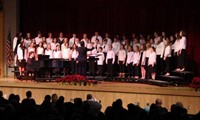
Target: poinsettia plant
pixel 75 80
pixel 195 83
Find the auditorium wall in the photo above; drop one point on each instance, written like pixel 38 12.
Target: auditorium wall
pixel 10 21
pixel 1 45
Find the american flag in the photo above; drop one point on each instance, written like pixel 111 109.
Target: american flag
pixel 9 58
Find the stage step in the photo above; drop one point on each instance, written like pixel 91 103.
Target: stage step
pixel 25 77
pixel 44 79
pixel 158 82
pixel 176 80
pixel 187 76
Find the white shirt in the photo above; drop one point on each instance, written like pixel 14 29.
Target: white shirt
pixel 66 53
pixel 109 41
pixel 57 54
pixel 77 44
pixel 49 40
pixel 53 45
pixel 122 55
pixel 147 53
pixel 49 52
pixel 97 46
pixel 89 45
pixel 101 58
pixel 110 55
pixel 44 45
pixel 142 41
pixel 137 44
pixel 94 51
pixel 152 58
pixel 14 43
pixel 136 58
pixel 31 49
pixel 85 42
pixel 160 49
pixel 63 46
pixel 27 42
pixel 156 40
pixel 40 50
pixel 74 54
pixel 38 40
pixel 129 57
pixel 72 41
pixel 182 44
pixel 116 47
pixel 167 51
pixel 105 47
pixel 176 45
pixel 153 45
pixel 97 37
pixel 20 54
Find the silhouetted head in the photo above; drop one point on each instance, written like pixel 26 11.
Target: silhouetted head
pixel 158 102
pixel 180 104
pixel 54 97
pixel 119 101
pixel 28 94
pixel 47 98
pixel 89 96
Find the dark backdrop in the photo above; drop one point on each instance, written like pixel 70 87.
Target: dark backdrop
pixel 115 17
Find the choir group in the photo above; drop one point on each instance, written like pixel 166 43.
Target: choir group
pixel 139 57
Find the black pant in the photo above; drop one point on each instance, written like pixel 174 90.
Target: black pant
pixel 130 69
pixel 115 66
pixel 121 67
pixel 173 61
pixel 73 67
pixel 146 66
pixel 110 68
pixel 182 59
pixel 92 67
pixel 136 70
pixel 167 62
pixel 100 70
pixel 82 67
pixel 160 64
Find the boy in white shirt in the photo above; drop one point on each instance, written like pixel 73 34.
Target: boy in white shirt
pixel 121 61
pixel 101 58
pixel 110 60
pixel 136 61
pixel 167 56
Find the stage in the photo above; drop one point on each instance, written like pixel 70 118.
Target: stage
pixel 106 92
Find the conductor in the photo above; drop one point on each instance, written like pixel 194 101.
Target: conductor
pixel 82 58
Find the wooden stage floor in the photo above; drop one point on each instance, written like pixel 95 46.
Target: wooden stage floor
pixel 107 92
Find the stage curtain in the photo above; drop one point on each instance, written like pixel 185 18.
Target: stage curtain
pixel 115 17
